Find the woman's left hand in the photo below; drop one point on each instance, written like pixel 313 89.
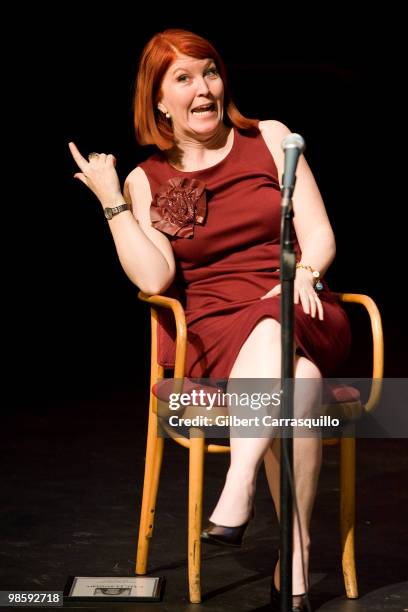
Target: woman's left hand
pixel 304 291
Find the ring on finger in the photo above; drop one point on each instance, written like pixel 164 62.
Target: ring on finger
pixel 93 154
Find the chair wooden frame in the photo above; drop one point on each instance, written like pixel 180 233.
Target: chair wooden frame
pixel 197 448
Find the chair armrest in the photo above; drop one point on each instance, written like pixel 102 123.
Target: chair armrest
pixel 176 307
pixel 378 343
pixel 368 303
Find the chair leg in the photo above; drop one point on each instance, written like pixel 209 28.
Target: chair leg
pixel 347 513
pixel 154 456
pixel 195 510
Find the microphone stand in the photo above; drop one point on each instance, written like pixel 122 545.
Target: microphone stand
pixel 287 276
pixel 293 145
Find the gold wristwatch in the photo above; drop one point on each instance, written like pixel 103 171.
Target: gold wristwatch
pixel 111 212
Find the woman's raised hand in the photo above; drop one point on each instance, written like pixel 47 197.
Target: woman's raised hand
pixel 99 174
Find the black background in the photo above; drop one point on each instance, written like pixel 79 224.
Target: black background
pixel 76 326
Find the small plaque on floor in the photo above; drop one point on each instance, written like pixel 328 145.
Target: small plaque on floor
pixel 114 588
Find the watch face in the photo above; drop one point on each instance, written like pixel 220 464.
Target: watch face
pixel 108 213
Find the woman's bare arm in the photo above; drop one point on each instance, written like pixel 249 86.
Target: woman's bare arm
pixel 145 253
pixel 311 223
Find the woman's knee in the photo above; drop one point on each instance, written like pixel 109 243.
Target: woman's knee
pixel 259 355
pixel 305 368
pixel 308 388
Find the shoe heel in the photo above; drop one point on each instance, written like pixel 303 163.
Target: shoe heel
pixel 226 536
pixel 275 599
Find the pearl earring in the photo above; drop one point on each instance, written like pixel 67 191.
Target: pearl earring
pixel 168 115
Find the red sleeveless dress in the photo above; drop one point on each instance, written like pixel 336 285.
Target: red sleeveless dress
pixel 224 226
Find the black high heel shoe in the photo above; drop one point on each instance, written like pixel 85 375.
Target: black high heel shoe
pixel 275 600
pixel 225 536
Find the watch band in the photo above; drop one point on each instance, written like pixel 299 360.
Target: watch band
pixel 115 210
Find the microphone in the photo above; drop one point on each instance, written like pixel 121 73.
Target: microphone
pixel 293 146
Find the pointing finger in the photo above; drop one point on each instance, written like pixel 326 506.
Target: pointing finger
pixel 81 161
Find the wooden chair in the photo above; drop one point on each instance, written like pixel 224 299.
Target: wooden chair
pixel 165 310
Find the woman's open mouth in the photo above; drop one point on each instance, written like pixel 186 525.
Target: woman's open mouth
pixel 204 110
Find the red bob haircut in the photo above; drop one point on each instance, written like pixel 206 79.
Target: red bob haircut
pixel 150 124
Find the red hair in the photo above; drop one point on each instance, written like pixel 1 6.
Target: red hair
pixel 150 124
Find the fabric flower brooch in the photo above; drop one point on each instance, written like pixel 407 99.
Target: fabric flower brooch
pixel 178 205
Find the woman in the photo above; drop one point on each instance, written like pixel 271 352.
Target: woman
pixel 203 215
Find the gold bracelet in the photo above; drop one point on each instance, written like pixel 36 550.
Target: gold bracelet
pixel 317 283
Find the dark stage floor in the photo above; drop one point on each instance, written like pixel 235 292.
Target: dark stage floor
pixel 72 481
